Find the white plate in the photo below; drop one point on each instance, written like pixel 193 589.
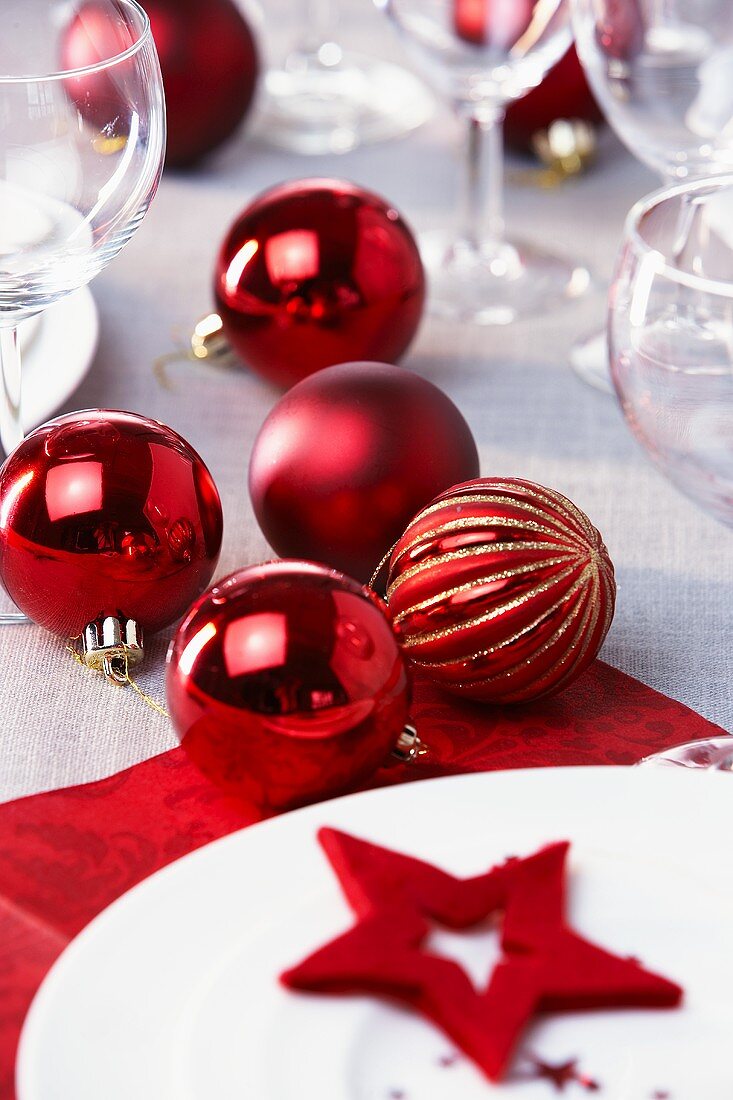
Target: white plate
pixel 172 993
pixel 57 349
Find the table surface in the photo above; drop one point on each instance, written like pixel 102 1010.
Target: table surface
pixel 531 417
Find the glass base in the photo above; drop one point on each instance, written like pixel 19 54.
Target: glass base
pixel 331 102
pixel 12 618
pixel 499 284
pixel 716 754
pixel 589 360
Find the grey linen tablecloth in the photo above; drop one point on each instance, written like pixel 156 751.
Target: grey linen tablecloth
pixel 60 724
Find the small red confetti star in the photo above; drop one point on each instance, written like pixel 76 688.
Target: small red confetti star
pixel 546 966
pixel 447 1060
pixel 565 1073
pixel 560 1076
pixel 661 1094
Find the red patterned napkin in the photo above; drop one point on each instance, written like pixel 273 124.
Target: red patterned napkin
pixel 65 855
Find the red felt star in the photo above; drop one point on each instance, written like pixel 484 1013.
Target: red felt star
pixel 546 967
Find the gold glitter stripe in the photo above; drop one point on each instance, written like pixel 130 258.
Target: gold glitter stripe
pixel 453 526
pixel 554 498
pixel 590 622
pixel 479 523
pixel 479 620
pixel 472 552
pixel 493 499
pixel 576 585
pixel 580 606
pixel 478 582
pixel 563 502
pixel 595 604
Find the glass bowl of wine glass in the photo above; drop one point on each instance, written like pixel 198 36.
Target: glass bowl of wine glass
pixel 671 336
pixel 82 141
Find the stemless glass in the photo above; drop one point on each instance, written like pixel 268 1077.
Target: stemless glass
pixel 671 342
pixel 662 72
pixel 81 153
pixel 671 336
pixel 324 99
pixel 481 55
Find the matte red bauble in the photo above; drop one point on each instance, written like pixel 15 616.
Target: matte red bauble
pixel 347 457
pixel 208 59
pixel 564 93
pixel 318 272
pixel 501 590
pixel 106 514
pixel 285 683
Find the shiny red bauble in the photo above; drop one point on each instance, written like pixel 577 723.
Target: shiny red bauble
pixel 501 590
pixel 564 93
pixel 318 272
pixel 493 22
pixel 620 28
pixel 106 513
pixel 285 683
pixel 347 457
pixel 207 56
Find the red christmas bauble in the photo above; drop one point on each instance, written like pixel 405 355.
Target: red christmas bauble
pixel 318 272
pixel 620 28
pixel 208 59
pixel 285 683
pixel 501 590
pixel 492 22
pixel 563 94
pixel 106 514
pixel 348 456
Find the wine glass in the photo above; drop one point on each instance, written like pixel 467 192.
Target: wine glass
pixel 671 343
pixel 662 72
pixel 82 141
pixel 482 55
pixel 324 99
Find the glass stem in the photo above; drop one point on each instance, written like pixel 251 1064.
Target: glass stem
pixel 482 206
pixel 320 20
pixel 11 426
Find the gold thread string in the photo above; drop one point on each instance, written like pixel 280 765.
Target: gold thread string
pixel 161 363
pixel 157 707
pixel 147 699
pixel 207 345
pixel 381 566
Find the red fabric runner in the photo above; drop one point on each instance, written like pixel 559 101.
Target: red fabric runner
pixel 66 855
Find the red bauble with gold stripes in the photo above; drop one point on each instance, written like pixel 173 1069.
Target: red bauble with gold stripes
pixel 501 590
